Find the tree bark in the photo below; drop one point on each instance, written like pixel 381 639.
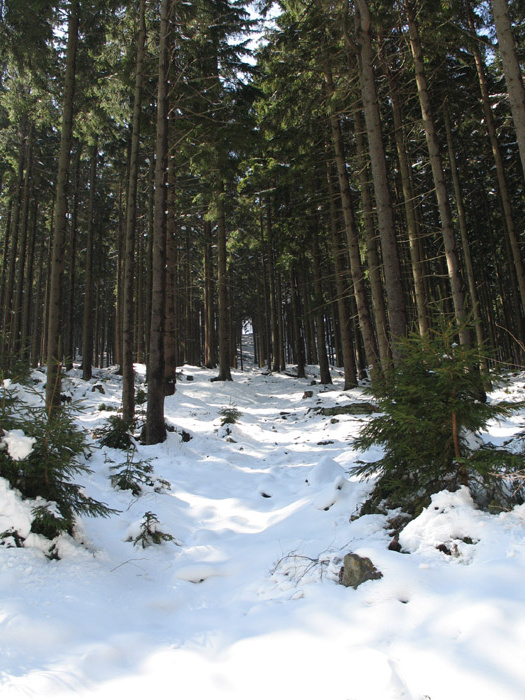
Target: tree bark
pixel 12 245
pixel 298 340
pixel 372 254
pixel 54 315
pixel 209 311
pixel 358 280
pixel 170 331
pixel 396 306
pixel 508 217
pixel 69 343
pixel 408 203
pixel 155 428
pixel 324 369
pixel 128 313
pixel 26 332
pixel 469 267
pixel 222 283
pixel 511 68
pixel 445 213
pixel 20 280
pixel 89 283
pixel 349 367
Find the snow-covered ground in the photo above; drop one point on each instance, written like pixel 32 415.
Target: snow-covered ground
pixel 244 602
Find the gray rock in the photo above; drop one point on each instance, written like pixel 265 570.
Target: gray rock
pixel 356 570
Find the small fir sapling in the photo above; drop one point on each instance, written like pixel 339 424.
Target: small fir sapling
pixel 150 533
pixel 133 475
pixel 431 415
pixel 117 433
pixel 229 414
pixel 46 472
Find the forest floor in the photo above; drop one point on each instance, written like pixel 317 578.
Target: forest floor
pixel 244 603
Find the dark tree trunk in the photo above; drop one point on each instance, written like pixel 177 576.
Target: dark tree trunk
pixel 418 272
pixel 170 331
pixel 54 315
pixel 222 282
pixel 128 315
pixel 504 194
pixel 209 311
pixel 445 213
pixel 69 342
pixel 155 427
pixel 89 283
pixel 343 310
pixel 385 217
pixel 12 246
pixel 511 68
pixel 297 336
pixel 17 346
pixel 372 254
pixel 358 280
pixel 467 257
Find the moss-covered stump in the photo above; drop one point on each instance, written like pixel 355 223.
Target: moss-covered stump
pixel 355 409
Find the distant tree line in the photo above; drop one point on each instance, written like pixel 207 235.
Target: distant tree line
pixel 354 175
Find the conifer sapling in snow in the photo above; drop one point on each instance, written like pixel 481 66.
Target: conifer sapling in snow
pixel 431 416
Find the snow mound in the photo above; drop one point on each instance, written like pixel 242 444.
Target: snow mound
pixel 451 525
pixel 15 515
pixel 327 470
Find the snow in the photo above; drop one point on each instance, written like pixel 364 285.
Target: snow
pixel 19 446
pixel 244 601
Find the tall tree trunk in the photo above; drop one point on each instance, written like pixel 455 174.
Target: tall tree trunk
pixel 54 316
pixel 89 283
pixel 38 311
pixel 22 247
pixel 511 68
pixel 5 258
pixel 350 371
pixel 12 245
pixel 445 213
pixel 69 342
pixel 128 313
pixel 297 337
pixel 155 428
pixel 408 202
pixel 222 283
pixel 119 275
pixel 170 331
pixel 324 369
pixel 147 265
pixel 504 195
pixel 467 257
pixel 391 268
pixel 273 300
pixel 280 322
pixel 25 331
pixel 372 253
pixel 356 269
pixel 209 311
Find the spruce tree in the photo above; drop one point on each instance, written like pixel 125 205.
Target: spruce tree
pixel 431 416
